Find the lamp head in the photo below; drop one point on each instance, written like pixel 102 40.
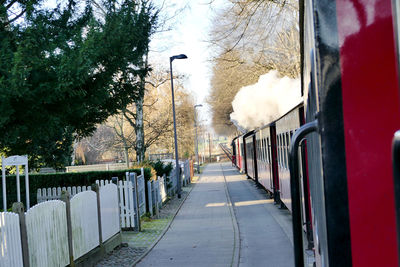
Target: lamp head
pixel 181 56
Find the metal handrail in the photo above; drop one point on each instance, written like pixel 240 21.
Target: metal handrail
pixel 295 190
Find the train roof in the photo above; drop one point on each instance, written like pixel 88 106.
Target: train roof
pixel 300 104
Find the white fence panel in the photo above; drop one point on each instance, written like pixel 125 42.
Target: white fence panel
pixel 84 221
pixel 142 194
pixel 109 211
pixel 10 240
pixel 46 225
pixel 172 181
pixel 127 210
pixel 150 196
pixel 163 188
pixel 157 193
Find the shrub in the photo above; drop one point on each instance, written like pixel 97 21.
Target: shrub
pixel 161 168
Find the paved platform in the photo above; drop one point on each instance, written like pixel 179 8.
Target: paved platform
pixel 210 230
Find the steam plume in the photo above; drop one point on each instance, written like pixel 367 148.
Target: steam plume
pixel 271 97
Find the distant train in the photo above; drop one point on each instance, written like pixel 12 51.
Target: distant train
pixel 334 159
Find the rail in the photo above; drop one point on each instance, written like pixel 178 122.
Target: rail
pixel 226 151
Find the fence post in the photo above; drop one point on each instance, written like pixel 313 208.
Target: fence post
pixel 96 188
pixel 114 180
pixel 157 195
pixel 149 197
pixel 65 198
pixel 18 207
pixel 133 178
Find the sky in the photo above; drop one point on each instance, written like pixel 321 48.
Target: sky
pixel 189 36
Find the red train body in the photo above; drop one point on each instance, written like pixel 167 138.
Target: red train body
pixel 350 84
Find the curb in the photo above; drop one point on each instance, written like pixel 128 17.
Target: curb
pixel 236 248
pixel 163 232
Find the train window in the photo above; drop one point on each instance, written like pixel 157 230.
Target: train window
pixel 280 150
pixel 287 150
pixel 268 151
pixel 257 142
pixel 278 145
pixel 263 148
pixel 265 151
pixel 283 150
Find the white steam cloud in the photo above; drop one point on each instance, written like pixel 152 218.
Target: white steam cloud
pixel 271 97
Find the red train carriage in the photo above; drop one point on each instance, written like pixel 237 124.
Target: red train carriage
pixel 238 150
pixel 350 83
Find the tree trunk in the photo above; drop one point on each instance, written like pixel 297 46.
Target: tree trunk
pixel 140 149
pixel 126 155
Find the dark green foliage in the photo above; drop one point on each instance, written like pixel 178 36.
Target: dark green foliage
pixel 161 168
pixel 37 181
pixel 62 71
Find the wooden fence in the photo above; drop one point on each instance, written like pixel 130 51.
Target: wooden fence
pixel 57 233
pixel 10 240
pixel 109 211
pixel 84 217
pixel 46 226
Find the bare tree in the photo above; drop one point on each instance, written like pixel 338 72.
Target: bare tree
pixel 90 150
pixel 250 38
pixel 229 75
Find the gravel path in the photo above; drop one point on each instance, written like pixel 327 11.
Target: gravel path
pixel 125 255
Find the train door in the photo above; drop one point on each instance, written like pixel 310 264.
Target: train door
pixel 273 149
pixel 255 155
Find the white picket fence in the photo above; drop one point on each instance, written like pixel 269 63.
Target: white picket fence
pixel 126 204
pixel 46 226
pixel 163 188
pixel 85 218
pixel 46 223
pixel 109 211
pixel 45 194
pixel 10 240
pixel 157 192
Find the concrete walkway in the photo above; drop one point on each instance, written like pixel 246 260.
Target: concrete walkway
pixel 205 231
pixel 265 230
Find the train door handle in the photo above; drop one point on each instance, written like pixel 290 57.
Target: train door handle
pixel 396 177
pixel 295 189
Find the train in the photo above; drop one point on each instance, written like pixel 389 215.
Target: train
pixel 333 160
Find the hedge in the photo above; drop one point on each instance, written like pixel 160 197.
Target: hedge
pixel 37 181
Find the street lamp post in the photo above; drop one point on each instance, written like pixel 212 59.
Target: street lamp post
pixel 197 142
pixel 177 166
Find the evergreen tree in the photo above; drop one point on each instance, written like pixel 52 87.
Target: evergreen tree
pixel 62 71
